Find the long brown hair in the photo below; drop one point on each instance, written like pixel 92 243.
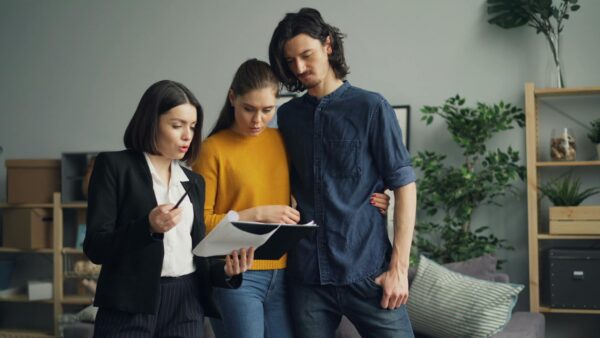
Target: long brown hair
pixel 253 74
pixel 310 22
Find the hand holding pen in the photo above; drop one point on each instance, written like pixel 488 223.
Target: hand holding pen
pixel 166 216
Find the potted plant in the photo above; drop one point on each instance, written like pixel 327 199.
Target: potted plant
pixel 594 135
pixel 566 216
pixel 449 193
pixel 543 15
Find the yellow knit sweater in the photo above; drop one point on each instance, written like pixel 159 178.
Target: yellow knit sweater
pixel 242 172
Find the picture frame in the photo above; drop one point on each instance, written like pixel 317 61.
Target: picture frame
pixel 403 116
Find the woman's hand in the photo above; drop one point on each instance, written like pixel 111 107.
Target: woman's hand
pixel 380 201
pixel 239 261
pixel 163 218
pixel 271 214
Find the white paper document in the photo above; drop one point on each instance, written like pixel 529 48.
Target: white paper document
pixel 231 234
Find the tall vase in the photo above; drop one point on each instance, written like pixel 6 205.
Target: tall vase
pixel 557 79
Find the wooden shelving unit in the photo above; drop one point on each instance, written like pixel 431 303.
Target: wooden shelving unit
pixel 58 252
pixel 24 333
pixel 534 165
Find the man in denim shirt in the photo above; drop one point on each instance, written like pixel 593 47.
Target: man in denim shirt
pixel 344 144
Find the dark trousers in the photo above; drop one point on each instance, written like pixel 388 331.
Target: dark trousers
pixel 317 311
pixel 180 314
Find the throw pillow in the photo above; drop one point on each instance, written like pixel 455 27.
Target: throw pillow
pixel 447 304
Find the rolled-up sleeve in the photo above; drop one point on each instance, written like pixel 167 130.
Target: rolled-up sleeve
pixel 389 152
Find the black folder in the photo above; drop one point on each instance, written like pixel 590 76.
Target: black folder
pixel 284 239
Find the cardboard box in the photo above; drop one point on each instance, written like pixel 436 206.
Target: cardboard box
pixel 579 220
pixel 39 290
pixel 32 181
pixel 27 228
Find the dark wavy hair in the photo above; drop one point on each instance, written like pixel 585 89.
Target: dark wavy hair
pixel 142 132
pixel 307 21
pixel 253 74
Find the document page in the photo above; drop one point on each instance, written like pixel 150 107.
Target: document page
pixel 226 237
pixel 270 240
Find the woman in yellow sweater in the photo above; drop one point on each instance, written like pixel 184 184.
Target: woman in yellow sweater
pixel 245 167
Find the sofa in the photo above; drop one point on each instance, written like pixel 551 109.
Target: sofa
pixel 520 325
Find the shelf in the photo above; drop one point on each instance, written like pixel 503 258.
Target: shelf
pixel 72 251
pixel 26 205
pixel 539 237
pixel 574 311
pixel 16 333
pixel 74 205
pixel 8 250
pixel 568 164
pixel 77 300
pixel 559 237
pixel 567 91
pixel 23 299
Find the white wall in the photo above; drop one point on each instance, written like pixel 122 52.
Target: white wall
pixel 72 72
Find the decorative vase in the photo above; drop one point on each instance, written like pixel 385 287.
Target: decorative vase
pixel 556 75
pixel 562 145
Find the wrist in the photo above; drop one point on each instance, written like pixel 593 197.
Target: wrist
pixel 258 214
pixel 398 265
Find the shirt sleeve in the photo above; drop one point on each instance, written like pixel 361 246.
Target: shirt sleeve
pixel 389 152
pixel 207 165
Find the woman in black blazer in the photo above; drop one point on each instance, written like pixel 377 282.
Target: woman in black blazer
pixel 150 284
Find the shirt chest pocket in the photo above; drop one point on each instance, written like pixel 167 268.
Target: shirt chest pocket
pixel 341 158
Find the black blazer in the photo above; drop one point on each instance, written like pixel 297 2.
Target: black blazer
pixel 118 236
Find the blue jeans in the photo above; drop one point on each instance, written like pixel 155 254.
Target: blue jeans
pixel 317 310
pixel 258 309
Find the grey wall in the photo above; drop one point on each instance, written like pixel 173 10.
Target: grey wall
pixel 72 72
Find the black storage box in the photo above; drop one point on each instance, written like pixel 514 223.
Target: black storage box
pixel 574 276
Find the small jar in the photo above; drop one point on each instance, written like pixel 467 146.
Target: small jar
pixel 562 145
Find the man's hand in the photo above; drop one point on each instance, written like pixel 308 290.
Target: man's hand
pixel 395 289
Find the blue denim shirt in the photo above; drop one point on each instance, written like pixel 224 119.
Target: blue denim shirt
pixel 343 147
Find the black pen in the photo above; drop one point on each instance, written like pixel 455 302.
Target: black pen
pixel 182 197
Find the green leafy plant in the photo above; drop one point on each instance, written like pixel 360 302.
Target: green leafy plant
pixel 566 192
pixel 449 194
pixel 594 134
pixel 543 15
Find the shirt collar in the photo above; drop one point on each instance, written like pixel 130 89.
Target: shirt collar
pixel 334 94
pixel 177 174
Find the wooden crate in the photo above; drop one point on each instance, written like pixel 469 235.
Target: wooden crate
pixel 581 220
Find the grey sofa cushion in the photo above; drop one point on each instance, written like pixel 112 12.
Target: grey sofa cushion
pixel 524 325
pixel 483 267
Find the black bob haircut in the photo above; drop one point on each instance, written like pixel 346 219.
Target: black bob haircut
pixel 142 132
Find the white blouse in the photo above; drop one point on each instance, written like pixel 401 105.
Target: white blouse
pixel 177 242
